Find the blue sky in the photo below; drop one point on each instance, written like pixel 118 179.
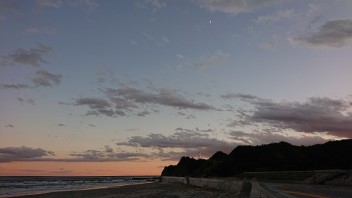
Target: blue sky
pixel 153 80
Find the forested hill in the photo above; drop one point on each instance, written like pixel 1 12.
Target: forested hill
pixel 270 157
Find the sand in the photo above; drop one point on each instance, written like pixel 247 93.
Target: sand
pixel 143 190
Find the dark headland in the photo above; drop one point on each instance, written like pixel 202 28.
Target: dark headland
pixel 282 156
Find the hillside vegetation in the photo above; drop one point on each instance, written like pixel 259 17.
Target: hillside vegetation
pixel 280 156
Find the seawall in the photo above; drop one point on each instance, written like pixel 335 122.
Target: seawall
pixel 230 184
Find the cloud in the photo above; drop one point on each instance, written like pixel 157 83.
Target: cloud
pixel 108 149
pixel 88 4
pixel 189 142
pixel 317 114
pixel 272 44
pixel 334 33
pixel 8 154
pixel 13 154
pixel 125 100
pixel 98 106
pixel 32 57
pixel 214 59
pixel 10 126
pixel 93 103
pixel 257 138
pixel 180 56
pixel 27 100
pixel 143 113
pixel 164 96
pixel 280 15
pixel 234 6
pixel 123 104
pixel 158 40
pixel 105 156
pixel 34 30
pixel 163 41
pixel 245 97
pixel 156 3
pixel 49 3
pixel 153 4
pixel 46 79
pixel 17 86
pixel 42 78
pixel 8 6
pixel 105 75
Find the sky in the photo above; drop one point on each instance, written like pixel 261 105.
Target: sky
pixel 129 87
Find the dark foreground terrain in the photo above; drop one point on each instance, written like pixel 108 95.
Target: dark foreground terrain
pixel 157 189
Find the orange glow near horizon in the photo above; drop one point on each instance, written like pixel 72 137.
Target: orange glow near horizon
pixel 152 168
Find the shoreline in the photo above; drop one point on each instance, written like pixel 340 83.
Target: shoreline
pixel 154 189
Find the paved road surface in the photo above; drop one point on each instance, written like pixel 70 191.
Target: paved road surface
pixel 282 190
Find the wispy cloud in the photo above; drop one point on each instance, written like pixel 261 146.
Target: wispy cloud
pixel 9 126
pixel 32 57
pixel 334 33
pixel 152 4
pixel 186 141
pixel 125 100
pixel 143 113
pixel 272 44
pixel 157 40
pixel 49 3
pixel 93 103
pixel 211 60
pixel 279 15
pixel 44 30
pixel 17 86
pixel 23 153
pixel 88 4
pixel 234 6
pixel 97 106
pixel 26 100
pixel 164 96
pixel 156 4
pixel 241 96
pixel 105 156
pixel 265 137
pixel 42 78
pixel 46 79
pixel 13 154
pixel 8 6
pixel 327 115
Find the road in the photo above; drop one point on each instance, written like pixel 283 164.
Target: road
pixel 285 190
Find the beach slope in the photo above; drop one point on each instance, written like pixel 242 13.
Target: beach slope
pixel 157 189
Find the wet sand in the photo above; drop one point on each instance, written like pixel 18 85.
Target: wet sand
pixel 157 189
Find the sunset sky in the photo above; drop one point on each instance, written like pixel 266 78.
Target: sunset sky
pixel 128 87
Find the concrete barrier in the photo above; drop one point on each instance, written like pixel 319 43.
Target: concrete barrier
pixel 230 184
pixel 258 190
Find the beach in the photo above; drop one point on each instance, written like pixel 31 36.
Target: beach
pixel 156 189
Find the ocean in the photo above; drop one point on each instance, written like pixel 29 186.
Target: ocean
pixel 23 185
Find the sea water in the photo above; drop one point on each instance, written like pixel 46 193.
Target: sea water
pixel 23 185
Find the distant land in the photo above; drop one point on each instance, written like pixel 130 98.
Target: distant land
pixel 280 156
